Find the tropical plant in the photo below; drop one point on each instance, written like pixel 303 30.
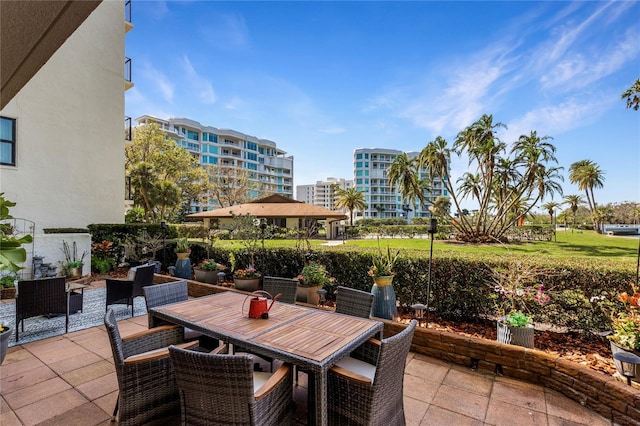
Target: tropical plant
pixel 350 199
pixel 314 274
pixel 71 259
pixel 183 245
pixel 8 280
pixel 574 202
pixel 384 263
pixel 551 208
pixel 587 175
pixel 404 173
pixel 11 251
pixel 632 95
pixel 506 187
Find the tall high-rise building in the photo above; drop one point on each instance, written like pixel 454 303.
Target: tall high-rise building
pixel 268 167
pixel 370 168
pixel 323 193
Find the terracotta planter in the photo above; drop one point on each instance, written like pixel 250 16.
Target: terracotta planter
pixel 246 284
pixel 308 294
pixel 519 336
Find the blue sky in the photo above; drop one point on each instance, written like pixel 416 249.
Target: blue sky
pixel 324 78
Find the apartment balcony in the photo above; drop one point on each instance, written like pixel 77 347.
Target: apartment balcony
pixel 128 23
pixel 128 84
pixel 127 129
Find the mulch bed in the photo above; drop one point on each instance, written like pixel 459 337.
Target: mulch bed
pixel 593 353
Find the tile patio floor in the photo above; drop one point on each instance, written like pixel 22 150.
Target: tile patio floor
pixel 70 380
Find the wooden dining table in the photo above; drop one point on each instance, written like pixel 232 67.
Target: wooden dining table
pixel 313 339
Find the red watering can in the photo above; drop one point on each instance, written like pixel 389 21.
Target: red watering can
pixel 258 307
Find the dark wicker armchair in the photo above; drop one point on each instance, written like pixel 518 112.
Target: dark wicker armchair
pixel 146 380
pixel 124 291
pixel 224 389
pixel 366 388
pixel 286 287
pixel 353 302
pixel 41 297
pixel 173 292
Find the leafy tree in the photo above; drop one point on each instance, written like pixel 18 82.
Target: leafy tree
pixel 163 175
pixel 574 202
pixel 505 186
pixel 229 185
pixel 587 175
pixel 351 199
pixel 632 95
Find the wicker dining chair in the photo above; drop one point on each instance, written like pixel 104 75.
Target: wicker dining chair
pixel 286 287
pixel 353 302
pixel 125 291
pixel 366 388
pixel 146 380
pixel 41 297
pixel 173 292
pixel 222 389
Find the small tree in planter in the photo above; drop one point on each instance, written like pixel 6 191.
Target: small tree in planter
pixel 72 262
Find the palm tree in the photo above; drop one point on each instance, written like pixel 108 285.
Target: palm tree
pixel 404 173
pixel 587 175
pixel 551 208
pixel 351 199
pixel 574 202
pixel 441 206
pixel 632 95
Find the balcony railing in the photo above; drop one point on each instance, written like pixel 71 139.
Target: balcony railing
pixel 127 10
pixel 127 73
pixel 127 128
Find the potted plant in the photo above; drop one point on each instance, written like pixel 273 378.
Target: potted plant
pixel 314 277
pixel 7 286
pixel 515 288
pixel 625 336
pixel 72 263
pixel 183 248
pixel 4 341
pixel 207 271
pixel 11 251
pixel 382 271
pixel 246 279
pixel 183 264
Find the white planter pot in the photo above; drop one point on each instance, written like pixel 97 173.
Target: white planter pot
pixel 519 336
pixel 308 295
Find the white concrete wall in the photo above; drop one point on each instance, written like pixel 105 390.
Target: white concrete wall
pixel 70 131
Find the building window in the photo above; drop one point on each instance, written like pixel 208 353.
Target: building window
pixel 193 135
pixel 8 141
pixel 358 156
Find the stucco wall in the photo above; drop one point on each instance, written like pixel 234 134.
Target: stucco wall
pixel 70 131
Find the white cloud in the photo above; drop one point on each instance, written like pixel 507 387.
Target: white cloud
pixel 158 80
pixel 203 87
pixel 226 31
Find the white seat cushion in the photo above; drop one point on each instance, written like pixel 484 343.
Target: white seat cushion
pixel 363 368
pixel 190 334
pixel 259 379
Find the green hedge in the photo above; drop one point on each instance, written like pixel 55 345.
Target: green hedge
pixel 582 292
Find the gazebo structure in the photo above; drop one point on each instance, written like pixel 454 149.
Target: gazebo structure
pixel 277 210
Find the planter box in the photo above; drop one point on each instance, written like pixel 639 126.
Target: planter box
pixel 8 293
pixel 308 294
pixel 519 336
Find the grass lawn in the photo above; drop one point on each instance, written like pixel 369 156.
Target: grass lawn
pixel 576 244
